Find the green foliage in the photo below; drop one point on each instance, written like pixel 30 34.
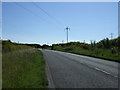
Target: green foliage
pixel 23 69
pixel 44 46
pixel 118 43
pixel 114 50
pixel 23 66
pixel 8 46
pixel 33 45
pixel 107 49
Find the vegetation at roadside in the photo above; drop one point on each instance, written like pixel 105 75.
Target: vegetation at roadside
pixel 106 49
pixel 0 46
pixel 9 46
pixel 22 66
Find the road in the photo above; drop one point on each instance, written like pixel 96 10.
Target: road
pixel 66 70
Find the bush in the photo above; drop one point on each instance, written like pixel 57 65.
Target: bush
pixel 114 50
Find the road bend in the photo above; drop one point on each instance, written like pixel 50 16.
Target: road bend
pixel 66 70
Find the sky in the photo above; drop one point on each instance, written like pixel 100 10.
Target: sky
pixel 45 22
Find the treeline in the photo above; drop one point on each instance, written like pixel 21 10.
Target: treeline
pixel 108 49
pixel 103 44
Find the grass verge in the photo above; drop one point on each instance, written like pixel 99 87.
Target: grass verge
pixel 8 46
pixel 24 69
pixel 98 53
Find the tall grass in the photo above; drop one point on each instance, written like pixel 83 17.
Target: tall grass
pixel 23 69
pixel 8 46
pixel 22 66
pixel 96 52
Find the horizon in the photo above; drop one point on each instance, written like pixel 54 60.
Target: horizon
pixel 44 22
pixel 57 43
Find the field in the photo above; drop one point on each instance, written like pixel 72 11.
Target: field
pixel 22 67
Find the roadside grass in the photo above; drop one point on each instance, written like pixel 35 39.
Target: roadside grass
pixel 23 69
pixel 8 46
pixel 0 47
pixel 96 52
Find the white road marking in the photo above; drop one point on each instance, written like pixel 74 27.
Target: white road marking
pixel 102 71
pixel 106 72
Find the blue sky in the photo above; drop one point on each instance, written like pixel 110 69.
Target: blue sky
pixel 27 23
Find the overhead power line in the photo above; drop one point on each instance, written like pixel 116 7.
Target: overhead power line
pixel 37 15
pixel 29 11
pixel 59 22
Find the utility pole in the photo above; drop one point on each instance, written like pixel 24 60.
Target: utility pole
pixel 62 41
pixel 84 41
pixel 111 35
pixel 67 29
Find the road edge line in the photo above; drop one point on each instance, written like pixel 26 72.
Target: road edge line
pixel 49 77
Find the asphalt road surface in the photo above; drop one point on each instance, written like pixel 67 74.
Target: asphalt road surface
pixel 66 70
